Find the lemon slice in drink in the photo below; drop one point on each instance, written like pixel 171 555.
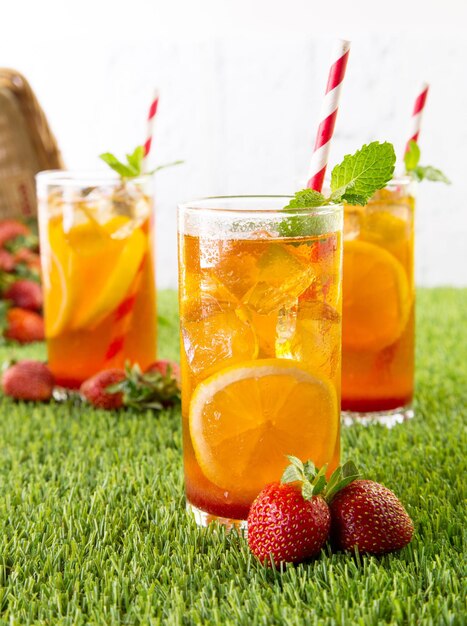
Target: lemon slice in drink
pixel 376 297
pixel 247 417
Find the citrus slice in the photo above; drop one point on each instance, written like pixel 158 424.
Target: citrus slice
pixel 58 300
pixel 109 275
pixel 376 297
pixel 247 417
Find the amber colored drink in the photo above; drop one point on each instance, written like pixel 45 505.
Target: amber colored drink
pixel 260 350
pixel 378 304
pixel 98 277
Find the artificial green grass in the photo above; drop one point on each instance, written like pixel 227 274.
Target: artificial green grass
pixel 94 529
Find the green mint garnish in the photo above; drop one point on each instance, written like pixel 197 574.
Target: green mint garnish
pixel 133 168
pixel 307 198
pixel 421 172
pixel 359 175
pixel 353 181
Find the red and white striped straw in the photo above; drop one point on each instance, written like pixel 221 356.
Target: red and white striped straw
pixel 329 108
pixel 150 124
pixel 417 114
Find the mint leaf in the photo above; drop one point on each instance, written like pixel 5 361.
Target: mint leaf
pixel 304 224
pixel 135 160
pixel 422 172
pixel 428 172
pixel 134 165
pixel 412 156
pixel 359 175
pixel 123 170
pixel 306 199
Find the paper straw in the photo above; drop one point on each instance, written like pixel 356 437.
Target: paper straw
pixel 417 113
pixel 329 108
pixel 150 125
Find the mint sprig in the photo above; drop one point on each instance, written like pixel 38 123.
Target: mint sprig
pixel 353 181
pixel 133 168
pixel 421 172
pixel 359 175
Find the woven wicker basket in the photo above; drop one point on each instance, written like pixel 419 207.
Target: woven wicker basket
pixel 27 145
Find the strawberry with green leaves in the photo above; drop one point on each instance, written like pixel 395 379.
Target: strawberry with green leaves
pixel 291 521
pixel 156 388
pixel 11 229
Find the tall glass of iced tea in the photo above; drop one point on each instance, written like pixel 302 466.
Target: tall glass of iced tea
pixel 260 345
pixel 98 272
pixel 378 306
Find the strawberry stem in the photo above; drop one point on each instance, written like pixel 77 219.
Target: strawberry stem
pixel 313 481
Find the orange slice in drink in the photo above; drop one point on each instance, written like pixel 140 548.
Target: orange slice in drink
pixel 115 266
pixel 376 297
pixel 58 300
pixel 247 417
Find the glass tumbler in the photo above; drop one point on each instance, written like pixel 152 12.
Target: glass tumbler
pixel 260 323
pixel 379 306
pixel 96 235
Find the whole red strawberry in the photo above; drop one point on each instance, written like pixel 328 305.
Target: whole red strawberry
pixel 29 258
pixel 163 367
pixel 25 294
pixel 28 380
pixel 9 229
pixel 24 326
pixel 7 261
pixel 290 522
pixel 370 517
pixel 95 390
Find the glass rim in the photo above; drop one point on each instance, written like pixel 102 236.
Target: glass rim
pixel 85 178
pixel 202 204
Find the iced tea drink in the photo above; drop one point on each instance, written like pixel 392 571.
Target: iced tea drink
pixel 378 305
pixel 260 346
pixel 98 273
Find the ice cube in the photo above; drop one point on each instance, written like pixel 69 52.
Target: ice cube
pixel 315 341
pixel 282 278
pixel 221 338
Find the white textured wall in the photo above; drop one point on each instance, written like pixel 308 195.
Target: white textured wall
pixel 240 98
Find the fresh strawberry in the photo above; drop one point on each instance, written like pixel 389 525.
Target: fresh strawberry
pixel 29 258
pixel 24 326
pixel 165 367
pixel 290 521
pixel 10 229
pixel 28 380
pixel 95 389
pixel 25 294
pixel 156 388
pixel 370 517
pixel 7 261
